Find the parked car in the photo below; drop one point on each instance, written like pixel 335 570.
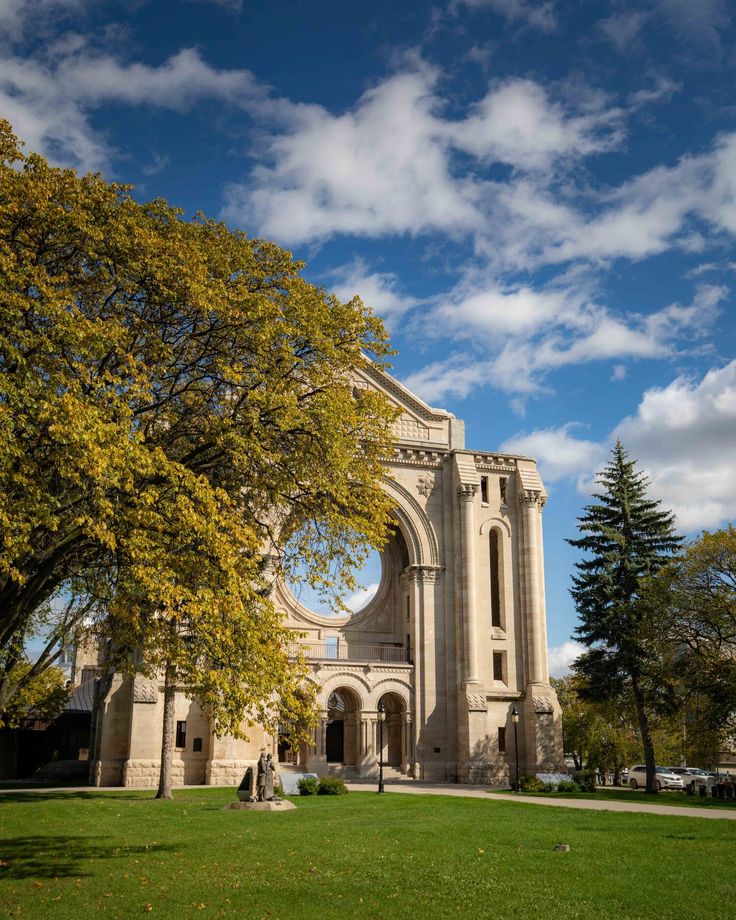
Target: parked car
pixel 665 779
pixel 691 775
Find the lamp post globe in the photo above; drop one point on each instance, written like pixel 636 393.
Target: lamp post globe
pixel 515 723
pixel 381 720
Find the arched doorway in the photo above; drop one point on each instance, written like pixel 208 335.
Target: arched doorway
pixel 393 754
pixel 343 714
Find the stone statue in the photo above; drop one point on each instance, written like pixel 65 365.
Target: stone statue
pixel 270 771
pixel 261 777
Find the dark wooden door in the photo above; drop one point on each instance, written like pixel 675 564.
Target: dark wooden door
pixel 336 741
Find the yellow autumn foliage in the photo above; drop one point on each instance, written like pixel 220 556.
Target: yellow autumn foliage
pixel 173 397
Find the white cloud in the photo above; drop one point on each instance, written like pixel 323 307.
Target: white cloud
pixel 359 599
pixel 48 102
pixel 379 290
pixel 697 23
pixel 619 372
pixel 156 164
pixel 388 166
pixel 518 124
pixel 540 16
pixel 623 29
pixel 378 169
pixel 682 435
pixel 17 15
pixel 557 452
pixel 562 656
pixel 519 334
pixel 455 377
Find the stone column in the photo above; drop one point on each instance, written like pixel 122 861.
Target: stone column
pixel 467 493
pixel 424 579
pixel 323 736
pixel 531 503
pixel 408 752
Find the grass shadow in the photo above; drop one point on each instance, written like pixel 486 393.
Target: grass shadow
pixel 60 857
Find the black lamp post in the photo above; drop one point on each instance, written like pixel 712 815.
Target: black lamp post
pixel 515 721
pixel 381 720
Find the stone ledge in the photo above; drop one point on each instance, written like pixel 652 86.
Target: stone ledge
pixel 260 806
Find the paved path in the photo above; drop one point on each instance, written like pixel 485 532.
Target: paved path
pixel 481 792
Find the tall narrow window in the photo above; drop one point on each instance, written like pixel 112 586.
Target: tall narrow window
pixel 181 734
pixel 502 484
pixel 484 489
pixel 331 647
pixel 408 648
pixel 495 584
pixel 502 740
pixel 498 665
pixel 408 608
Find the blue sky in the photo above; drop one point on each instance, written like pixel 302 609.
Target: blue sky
pixel 539 198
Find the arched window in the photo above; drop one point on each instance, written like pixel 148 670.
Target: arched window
pixel 495 581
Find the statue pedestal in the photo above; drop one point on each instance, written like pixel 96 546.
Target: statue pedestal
pixel 261 806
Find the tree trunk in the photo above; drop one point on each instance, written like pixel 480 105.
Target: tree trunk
pixel 168 736
pixel 102 688
pixel 646 734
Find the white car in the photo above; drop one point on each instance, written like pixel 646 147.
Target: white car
pixel 692 775
pixel 665 778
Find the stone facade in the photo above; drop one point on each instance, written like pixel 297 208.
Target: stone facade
pixel 452 641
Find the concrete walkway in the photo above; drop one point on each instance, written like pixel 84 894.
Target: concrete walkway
pixel 481 792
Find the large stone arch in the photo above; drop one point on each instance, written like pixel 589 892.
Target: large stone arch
pixel 355 682
pixel 420 536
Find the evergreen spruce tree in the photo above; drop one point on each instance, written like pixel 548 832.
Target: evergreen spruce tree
pixel 626 537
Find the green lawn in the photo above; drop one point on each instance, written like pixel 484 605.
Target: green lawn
pixel 70 855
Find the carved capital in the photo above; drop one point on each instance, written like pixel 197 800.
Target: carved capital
pixel 531 497
pixel 421 574
pixel 468 491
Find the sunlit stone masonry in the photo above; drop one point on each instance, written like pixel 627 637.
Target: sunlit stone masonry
pixel 452 641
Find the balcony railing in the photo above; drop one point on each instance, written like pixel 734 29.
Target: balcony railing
pixel 328 651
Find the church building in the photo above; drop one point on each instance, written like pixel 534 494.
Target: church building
pixel 453 642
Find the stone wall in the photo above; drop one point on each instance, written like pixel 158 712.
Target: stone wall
pixel 227 772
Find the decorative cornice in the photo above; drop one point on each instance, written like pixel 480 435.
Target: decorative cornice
pixel 421 459
pixel 495 463
pixel 386 381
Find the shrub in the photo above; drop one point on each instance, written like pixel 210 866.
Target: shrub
pixel 531 784
pixel 549 787
pixel 308 785
pixel 332 785
pixel 568 785
pixel 586 780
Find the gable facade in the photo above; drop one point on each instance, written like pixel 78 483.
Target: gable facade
pixel 453 640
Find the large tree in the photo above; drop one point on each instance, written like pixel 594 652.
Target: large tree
pixel 174 400
pixel 694 597
pixel 626 537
